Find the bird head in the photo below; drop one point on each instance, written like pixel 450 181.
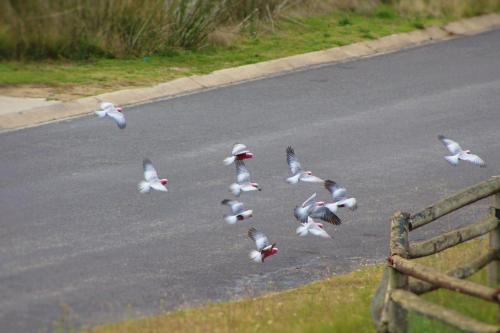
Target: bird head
pixel 164 181
pixel 309 173
pixel 256 186
pixel 467 151
pixel 119 109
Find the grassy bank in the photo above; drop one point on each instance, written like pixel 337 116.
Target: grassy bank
pixel 337 304
pixel 290 32
pixel 82 29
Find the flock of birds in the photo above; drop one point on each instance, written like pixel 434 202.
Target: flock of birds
pixel 305 213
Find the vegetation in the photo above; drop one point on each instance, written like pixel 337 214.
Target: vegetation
pixel 69 79
pixel 337 304
pixel 82 29
pixel 67 49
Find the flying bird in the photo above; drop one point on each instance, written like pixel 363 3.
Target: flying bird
pixel 152 181
pixel 313 228
pixel 339 195
pixel 240 152
pixel 243 183
pixel 238 211
pixel 264 248
pixel 459 154
pixel 108 109
pixel 315 209
pixel 298 174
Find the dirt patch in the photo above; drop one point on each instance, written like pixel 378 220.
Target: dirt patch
pixel 60 93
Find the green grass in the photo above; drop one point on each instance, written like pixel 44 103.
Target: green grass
pixel 337 304
pixel 291 36
pixel 472 307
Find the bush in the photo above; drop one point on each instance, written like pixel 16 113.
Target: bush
pixel 80 29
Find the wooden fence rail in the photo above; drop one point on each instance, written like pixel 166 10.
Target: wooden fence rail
pixel 452 238
pixel 462 272
pixel 463 198
pixel 442 280
pixel 412 302
pixel 396 295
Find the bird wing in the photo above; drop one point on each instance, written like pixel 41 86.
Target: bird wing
pixel 239 148
pixel 311 179
pixel 474 159
pixel 326 215
pixel 101 113
pixel 107 105
pixel 150 173
pixel 118 117
pixel 309 200
pixel 235 206
pixel 293 162
pixel 242 174
pixel 261 241
pixel 451 145
pixel 338 192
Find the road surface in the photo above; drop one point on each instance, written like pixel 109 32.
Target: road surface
pixel 76 232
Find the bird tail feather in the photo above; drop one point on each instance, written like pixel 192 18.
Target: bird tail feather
pixel 332 207
pixel 231 219
pixel 144 187
pixel 235 189
pixel 101 113
pixel 453 160
pixel 351 203
pixel 256 256
pixel 229 160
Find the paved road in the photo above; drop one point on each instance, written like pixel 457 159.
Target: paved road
pixel 75 231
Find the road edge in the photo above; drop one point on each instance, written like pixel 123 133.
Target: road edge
pixel 236 75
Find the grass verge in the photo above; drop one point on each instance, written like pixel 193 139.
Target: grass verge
pixel 285 36
pixel 337 304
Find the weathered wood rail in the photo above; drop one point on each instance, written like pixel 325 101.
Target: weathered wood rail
pixel 397 295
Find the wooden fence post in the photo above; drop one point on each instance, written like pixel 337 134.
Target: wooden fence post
pixel 494 266
pixel 397 315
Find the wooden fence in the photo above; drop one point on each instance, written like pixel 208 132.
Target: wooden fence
pixel 396 295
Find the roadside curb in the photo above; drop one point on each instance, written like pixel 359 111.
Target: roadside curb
pixel 235 75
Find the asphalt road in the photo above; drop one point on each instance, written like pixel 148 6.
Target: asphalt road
pixel 75 230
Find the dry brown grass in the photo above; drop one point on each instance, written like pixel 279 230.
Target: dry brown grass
pixel 455 8
pixel 337 304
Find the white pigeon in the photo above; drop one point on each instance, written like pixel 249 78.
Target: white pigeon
pixel 339 195
pixel 298 174
pixel 315 209
pixel 459 154
pixel 264 248
pixel 240 152
pixel 243 183
pixel 152 181
pixel 108 109
pixel 313 228
pixel 238 211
